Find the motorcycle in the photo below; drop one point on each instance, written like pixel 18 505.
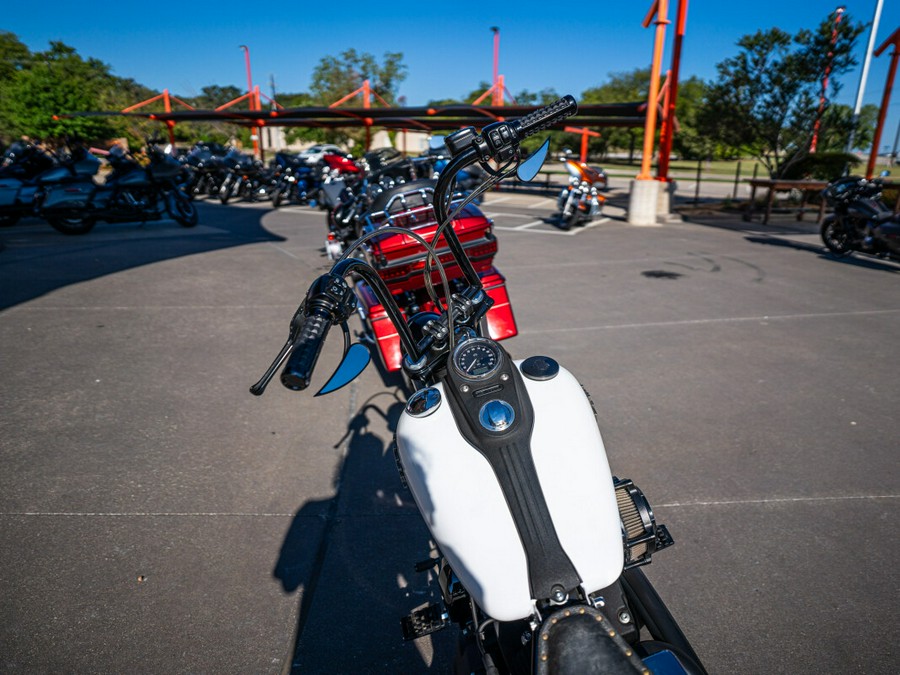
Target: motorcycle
pixel 207 166
pixel 132 192
pixel 26 172
pixel 402 264
pixel 246 178
pixel 540 546
pixel 348 196
pixel 296 180
pixel 861 220
pixel 437 156
pixel 580 201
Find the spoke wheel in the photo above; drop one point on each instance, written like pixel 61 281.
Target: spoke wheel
pixel 836 237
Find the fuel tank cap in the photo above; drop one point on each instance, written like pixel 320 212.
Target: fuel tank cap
pixel 496 415
pixel 539 368
pixel 423 402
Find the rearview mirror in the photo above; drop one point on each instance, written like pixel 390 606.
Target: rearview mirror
pixel 529 168
pixel 354 362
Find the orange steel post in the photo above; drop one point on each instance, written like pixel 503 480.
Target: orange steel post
pixel 839 12
pixel 659 8
pixel 665 124
pixel 894 40
pixel 585 134
pixel 260 123
pixel 169 123
pixel 367 103
pixel 665 140
pixel 254 131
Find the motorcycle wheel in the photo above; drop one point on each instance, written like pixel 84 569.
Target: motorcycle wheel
pixel 836 237
pixel 279 194
pixel 567 222
pixel 182 209
pixel 71 224
pixel 225 191
pixel 8 221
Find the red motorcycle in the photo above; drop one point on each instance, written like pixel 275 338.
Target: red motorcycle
pixel 406 214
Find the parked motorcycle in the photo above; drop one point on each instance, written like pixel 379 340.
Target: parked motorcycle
pixel 26 172
pixel 132 192
pixel 208 170
pixel 861 220
pixel 342 171
pixel 296 180
pixel 246 178
pixel 540 546
pixel 437 157
pixel 348 196
pixel 580 201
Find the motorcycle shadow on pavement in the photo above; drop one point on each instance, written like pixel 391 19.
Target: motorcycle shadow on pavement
pixel 363 544
pixel 857 259
pixel 36 260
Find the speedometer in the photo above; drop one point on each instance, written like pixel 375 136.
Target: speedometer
pixel 477 359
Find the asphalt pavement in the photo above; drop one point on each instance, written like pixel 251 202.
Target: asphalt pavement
pixel 157 518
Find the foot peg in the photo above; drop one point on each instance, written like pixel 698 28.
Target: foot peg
pixel 424 621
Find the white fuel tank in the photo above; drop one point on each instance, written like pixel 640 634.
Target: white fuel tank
pixel 459 497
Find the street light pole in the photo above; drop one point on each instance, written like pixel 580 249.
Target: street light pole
pixel 498 91
pixel 864 76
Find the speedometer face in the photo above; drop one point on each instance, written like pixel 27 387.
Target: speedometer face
pixel 476 359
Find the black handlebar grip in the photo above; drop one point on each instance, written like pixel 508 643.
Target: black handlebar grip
pixel 547 116
pixel 302 361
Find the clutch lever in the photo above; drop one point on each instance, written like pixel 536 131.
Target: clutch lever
pixel 258 388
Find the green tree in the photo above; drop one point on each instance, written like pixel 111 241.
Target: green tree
pixel 14 56
pixel 337 76
pixel 212 96
pixel 766 100
pixel 56 81
pixel 689 141
pixel 625 87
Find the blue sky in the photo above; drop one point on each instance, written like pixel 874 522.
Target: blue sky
pixel 447 47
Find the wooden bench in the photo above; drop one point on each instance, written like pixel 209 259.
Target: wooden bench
pixel 776 185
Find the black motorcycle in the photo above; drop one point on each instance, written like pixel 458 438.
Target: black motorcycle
pixel 132 192
pixel 246 179
pixel 206 163
pixel 27 171
pixel 861 220
pixel 295 180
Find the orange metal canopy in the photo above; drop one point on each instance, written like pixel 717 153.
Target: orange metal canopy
pixel 426 118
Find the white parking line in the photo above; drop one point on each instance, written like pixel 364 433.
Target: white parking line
pixel 508 215
pixel 542 202
pixel 567 233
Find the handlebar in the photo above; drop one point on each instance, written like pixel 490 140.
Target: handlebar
pixel 546 117
pixel 330 300
pixel 302 360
